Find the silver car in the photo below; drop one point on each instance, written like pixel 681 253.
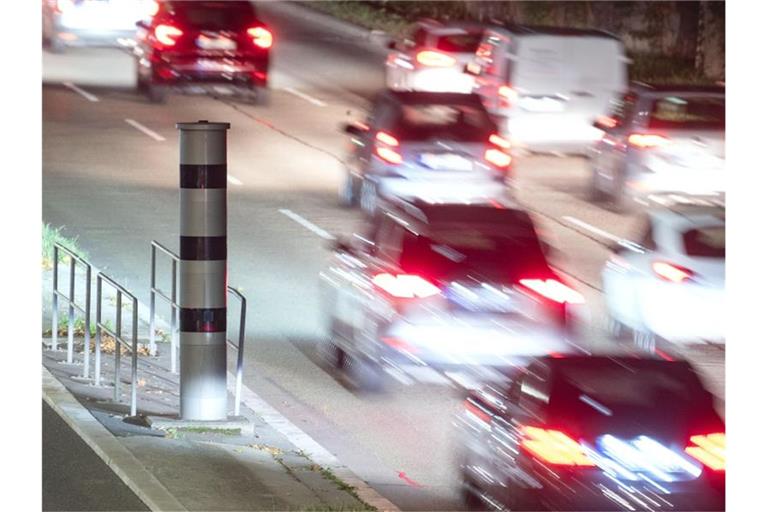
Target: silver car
pixel 415 144
pixel 455 288
pixel 660 140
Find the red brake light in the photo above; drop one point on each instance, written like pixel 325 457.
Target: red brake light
pixel 670 272
pixel 405 286
pixel 554 290
pixel 498 157
pixel 499 141
pixel 387 139
pixel 261 37
pixel 708 449
pixel 647 140
pixel 554 447
pixel 167 34
pixel 508 95
pixel 435 59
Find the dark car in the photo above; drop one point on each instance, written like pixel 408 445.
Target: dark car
pixel 199 43
pixel 595 433
pixel 457 288
pixel 416 144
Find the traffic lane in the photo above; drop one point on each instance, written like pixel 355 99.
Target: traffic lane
pixel 91 486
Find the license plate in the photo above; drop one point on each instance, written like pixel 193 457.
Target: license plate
pixel 212 65
pixel 215 43
pixel 446 161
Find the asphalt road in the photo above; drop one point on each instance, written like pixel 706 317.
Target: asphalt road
pixel 114 187
pixel 74 477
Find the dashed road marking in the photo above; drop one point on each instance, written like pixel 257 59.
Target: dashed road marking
pixel 306 97
pixel 233 180
pixel 81 92
pixel 146 131
pixel 592 229
pixel 307 224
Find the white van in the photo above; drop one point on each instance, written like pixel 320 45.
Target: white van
pixel 547 86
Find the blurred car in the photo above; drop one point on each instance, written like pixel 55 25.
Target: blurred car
pixel 594 433
pixel 92 22
pixel 669 281
pixel 432 57
pixel 661 139
pixel 548 85
pixel 451 287
pixel 423 142
pixel 203 43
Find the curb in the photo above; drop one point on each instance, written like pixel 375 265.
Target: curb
pixel 119 459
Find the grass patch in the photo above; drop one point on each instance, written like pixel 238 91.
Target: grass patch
pixel 53 235
pixel 657 68
pixel 178 432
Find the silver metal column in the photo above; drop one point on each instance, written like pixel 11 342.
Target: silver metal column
pixel 203 270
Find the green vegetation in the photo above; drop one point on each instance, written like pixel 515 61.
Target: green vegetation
pixel 178 432
pixel 363 14
pixel 53 235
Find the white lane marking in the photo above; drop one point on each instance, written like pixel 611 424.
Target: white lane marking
pixel 304 222
pixel 312 448
pixel 233 180
pixel 306 97
pixel 146 131
pixel 81 92
pixel 399 376
pixel 592 229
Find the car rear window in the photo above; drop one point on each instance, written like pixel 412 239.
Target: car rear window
pixel 454 121
pixel 687 112
pixel 459 43
pixel 453 252
pixel 214 15
pixel 708 242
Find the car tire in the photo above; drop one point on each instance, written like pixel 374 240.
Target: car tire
pixel 523 499
pixel 369 200
pixel 259 95
pixel 349 191
pixel 619 199
pixel 366 376
pixel 594 194
pixel 470 497
pixel 156 93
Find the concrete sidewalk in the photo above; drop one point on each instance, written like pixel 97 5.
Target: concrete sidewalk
pixel 257 468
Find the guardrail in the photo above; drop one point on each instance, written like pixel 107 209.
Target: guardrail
pixel 117 334
pixel 155 291
pixel 72 304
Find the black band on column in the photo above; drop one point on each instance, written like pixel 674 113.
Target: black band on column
pixel 201 248
pixel 203 176
pixel 203 320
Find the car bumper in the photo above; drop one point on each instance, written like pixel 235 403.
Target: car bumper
pixel 441 80
pixel 551 133
pixel 442 186
pixel 94 37
pixel 644 181
pixel 235 71
pixel 684 314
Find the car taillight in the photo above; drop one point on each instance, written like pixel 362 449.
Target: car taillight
pixel 507 95
pixel 434 59
pixel 670 272
pixel 261 37
pixel 647 140
pixel 554 447
pixel 554 290
pixel 152 7
pixel 167 34
pixel 496 154
pixel 708 449
pixel 405 286
pixel 384 148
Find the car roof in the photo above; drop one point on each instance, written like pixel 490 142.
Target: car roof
pixel 536 30
pixel 420 97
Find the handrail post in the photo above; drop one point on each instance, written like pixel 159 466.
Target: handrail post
pixel 97 356
pixel 152 277
pixel 135 356
pixel 240 351
pixel 118 335
pixel 87 352
pixel 174 315
pixel 55 302
pixel 71 311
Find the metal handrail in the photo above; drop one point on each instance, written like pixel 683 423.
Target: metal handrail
pixel 155 291
pixel 240 348
pixel 117 334
pixel 72 306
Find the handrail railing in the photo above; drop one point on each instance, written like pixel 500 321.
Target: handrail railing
pixel 72 306
pixel 155 291
pixel 240 347
pixel 117 334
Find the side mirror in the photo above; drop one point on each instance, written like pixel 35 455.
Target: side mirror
pixel 142 24
pixel 392 45
pixel 350 129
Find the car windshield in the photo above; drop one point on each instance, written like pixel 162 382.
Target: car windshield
pixel 214 15
pixel 459 43
pixel 707 242
pixel 686 112
pixel 453 252
pixel 452 121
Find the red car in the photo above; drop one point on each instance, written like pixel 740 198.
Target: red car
pixel 198 43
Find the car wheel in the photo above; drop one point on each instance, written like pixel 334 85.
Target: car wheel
pixel 349 191
pixel 259 95
pixel 470 495
pixel 594 194
pixel 369 198
pixel 156 93
pixel 523 499
pixel 619 198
